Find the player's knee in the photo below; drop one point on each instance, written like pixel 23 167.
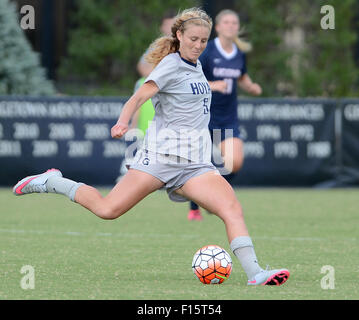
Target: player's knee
pixel 238 162
pixel 232 210
pixel 237 165
pixel 108 212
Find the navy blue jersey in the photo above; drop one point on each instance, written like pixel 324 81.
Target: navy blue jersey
pixel 219 65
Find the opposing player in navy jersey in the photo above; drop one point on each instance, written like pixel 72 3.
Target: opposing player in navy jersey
pixel 224 65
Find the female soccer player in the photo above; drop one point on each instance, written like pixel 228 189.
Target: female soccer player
pixel 177 146
pixel 144 115
pixel 224 65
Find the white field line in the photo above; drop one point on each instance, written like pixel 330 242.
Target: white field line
pixel 160 235
pixel 96 234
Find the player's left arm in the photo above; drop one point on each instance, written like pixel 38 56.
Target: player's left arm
pixel 246 84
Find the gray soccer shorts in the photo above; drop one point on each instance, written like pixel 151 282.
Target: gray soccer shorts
pixel 172 170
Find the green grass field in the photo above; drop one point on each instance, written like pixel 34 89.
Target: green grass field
pixel 147 253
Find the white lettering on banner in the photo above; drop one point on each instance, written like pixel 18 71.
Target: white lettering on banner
pixel 302 132
pixel 79 149
pixel 284 112
pixel 64 110
pixel 268 132
pixel 10 148
pixel 285 150
pixel 101 110
pixel 44 149
pixel 22 109
pixel 245 111
pixel 253 150
pixel 61 131
pixel 319 149
pixel 26 130
pixel 243 132
pixel 96 131
pixel 113 149
pixel 351 112
pixel 60 110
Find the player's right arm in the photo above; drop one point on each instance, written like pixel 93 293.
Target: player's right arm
pixel 145 92
pixel 218 85
pixel 246 84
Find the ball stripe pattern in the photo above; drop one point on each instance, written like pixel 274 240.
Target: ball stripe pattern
pixel 212 264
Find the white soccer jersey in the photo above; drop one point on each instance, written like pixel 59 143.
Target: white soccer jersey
pixel 180 124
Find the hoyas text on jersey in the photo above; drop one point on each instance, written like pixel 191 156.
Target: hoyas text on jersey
pixel 200 88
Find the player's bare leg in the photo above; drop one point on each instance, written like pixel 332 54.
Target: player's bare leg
pixel 212 192
pixel 132 188
pixel 232 154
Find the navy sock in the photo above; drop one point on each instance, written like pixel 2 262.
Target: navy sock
pixel 194 206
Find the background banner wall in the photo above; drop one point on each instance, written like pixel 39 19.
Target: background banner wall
pixel 287 142
pixel 72 134
pixel 349 169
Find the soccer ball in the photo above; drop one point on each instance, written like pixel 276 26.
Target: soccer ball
pixel 212 264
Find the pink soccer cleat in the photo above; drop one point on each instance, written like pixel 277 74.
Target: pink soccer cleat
pixel 268 277
pixel 195 215
pixel 36 183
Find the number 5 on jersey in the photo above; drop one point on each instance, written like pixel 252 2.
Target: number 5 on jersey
pixel 205 106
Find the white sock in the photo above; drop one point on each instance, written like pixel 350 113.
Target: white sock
pixel 243 249
pixel 63 186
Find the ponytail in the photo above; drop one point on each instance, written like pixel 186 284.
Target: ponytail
pixel 242 45
pixel 160 48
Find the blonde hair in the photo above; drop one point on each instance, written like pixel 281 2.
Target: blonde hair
pixel 165 45
pixel 242 45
